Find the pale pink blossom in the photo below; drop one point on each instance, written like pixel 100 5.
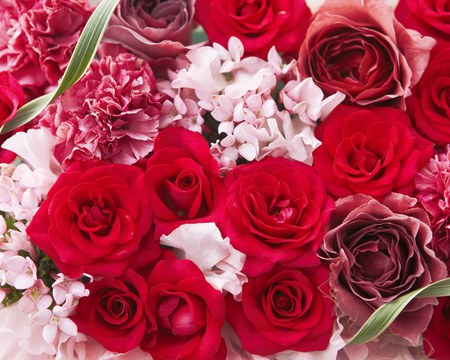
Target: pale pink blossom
pixel 203 244
pixel 35 298
pixel 21 272
pixel 64 288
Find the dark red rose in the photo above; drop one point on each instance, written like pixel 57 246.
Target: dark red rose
pixel 95 220
pixel 276 211
pixel 369 150
pixel 284 309
pixel 437 336
pixel 185 312
pixel 113 313
pixel 429 17
pixel 429 107
pixel 183 181
pixel 259 24
pixel 360 49
pixel 11 98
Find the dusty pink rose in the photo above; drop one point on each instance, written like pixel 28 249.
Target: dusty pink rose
pixel 433 186
pixel 112 114
pixel 52 28
pixel 377 252
pixel 359 48
pixel 155 30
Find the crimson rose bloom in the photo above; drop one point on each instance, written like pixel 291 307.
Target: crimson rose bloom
pixel 429 106
pixel 437 335
pixel 276 211
pixel 113 313
pixel 284 309
pixel 94 220
pixel 378 252
pixel 259 24
pixel 359 48
pixel 11 98
pixel 186 314
pixel 182 180
pixel 369 150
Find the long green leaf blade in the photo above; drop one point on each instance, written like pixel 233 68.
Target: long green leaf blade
pixel 80 60
pixel 385 315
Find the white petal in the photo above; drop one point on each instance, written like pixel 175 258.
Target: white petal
pixel 49 333
pixel 68 327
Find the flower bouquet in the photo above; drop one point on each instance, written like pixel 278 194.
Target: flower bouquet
pixel 207 179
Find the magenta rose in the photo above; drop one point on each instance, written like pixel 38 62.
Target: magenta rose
pixel 378 252
pixel 156 31
pixel 437 336
pixel 276 211
pixel 182 180
pixel 429 107
pixel 95 220
pixel 284 309
pixel 52 28
pixel 185 313
pixel 258 24
pixel 111 114
pixel 114 312
pixel 361 50
pixel 369 150
pixel 429 17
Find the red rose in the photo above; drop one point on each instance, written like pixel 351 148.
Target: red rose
pixel 437 335
pixel 183 181
pixel 369 150
pixel 113 313
pixel 359 48
pixel 276 211
pixel 284 309
pixel 429 107
pixel 11 98
pixel 95 220
pixel 258 24
pixel 186 314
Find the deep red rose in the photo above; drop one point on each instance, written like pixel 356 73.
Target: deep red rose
pixel 276 211
pixel 182 180
pixel 437 336
pixel 95 220
pixel 185 312
pixel 259 24
pixel 359 48
pixel 11 98
pixel 429 107
pixel 369 150
pixel 113 313
pixel 429 17
pixel 284 309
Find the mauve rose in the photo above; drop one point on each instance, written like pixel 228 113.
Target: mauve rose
pixel 429 17
pixel 369 150
pixel 284 309
pixel 437 336
pixel 185 314
pixel 114 312
pixel 429 106
pixel 96 221
pixel 259 24
pixel 360 49
pixel 276 212
pixel 378 252
pixel 155 30
pixel 52 28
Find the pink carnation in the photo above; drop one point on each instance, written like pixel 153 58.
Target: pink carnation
pixel 433 185
pixel 112 114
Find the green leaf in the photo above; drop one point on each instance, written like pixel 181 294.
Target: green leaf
pixel 82 56
pixel 385 315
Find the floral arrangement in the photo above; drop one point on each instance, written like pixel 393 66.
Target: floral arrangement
pixel 207 179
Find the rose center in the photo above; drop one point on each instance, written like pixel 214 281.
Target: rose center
pixel 347 64
pixel 95 218
pixel 186 180
pixel 282 211
pixel 248 7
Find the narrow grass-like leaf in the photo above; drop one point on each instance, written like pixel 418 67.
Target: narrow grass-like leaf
pixel 80 60
pixel 385 315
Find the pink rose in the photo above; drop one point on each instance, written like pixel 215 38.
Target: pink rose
pixel 360 49
pixel 378 252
